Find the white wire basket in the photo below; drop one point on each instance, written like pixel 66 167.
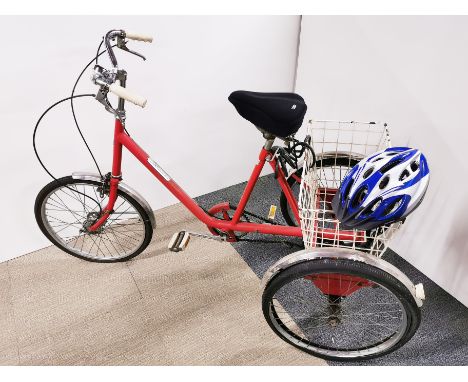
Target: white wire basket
pixel 338 146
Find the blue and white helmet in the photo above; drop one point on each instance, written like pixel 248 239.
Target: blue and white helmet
pixel 383 188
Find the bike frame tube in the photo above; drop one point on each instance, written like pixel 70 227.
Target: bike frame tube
pixel 264 156
pixel 122 139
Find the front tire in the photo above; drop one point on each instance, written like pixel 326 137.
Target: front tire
pixel 62 211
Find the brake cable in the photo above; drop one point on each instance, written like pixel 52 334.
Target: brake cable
pixel 37 154
pixel 291 155
pixel 73 107
pixel 71 98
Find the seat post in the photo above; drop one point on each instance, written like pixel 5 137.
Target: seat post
pixel 270 138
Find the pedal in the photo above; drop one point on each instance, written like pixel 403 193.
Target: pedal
pixel 179 241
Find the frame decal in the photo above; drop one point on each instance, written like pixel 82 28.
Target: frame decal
pixel 159 169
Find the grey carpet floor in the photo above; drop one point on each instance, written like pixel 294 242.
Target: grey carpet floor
pixel 442 338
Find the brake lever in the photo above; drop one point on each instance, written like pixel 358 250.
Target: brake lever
pixel 122 44
pixel 101 96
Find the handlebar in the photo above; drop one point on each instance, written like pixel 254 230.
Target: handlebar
pixel 138 37
pixel 106 78
pixel 111 35
pixel 121 35
pixel 125 94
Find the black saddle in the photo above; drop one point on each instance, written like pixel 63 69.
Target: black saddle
pixel 280 114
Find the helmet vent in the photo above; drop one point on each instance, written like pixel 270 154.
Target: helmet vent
pixel 375 205
pixel 359 197
pixel 414 166
pixel 383 183
pixel 377 159
pixel 392 207
pixel 387 167
pixel 371 207
pixel 404 175
pixel 368 172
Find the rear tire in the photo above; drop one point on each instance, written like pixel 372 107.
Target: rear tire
pixel 288 295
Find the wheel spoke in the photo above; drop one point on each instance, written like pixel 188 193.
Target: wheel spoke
pixel 67 209
pixel 365 320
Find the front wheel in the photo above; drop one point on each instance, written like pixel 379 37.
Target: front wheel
pixel 340 309
pixel 66 206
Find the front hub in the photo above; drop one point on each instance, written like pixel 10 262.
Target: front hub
pixel 91 218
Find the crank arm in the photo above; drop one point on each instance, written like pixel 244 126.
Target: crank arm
pixel 206 236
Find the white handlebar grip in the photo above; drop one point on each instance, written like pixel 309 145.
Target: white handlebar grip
pixel 125 94
pixel 138 37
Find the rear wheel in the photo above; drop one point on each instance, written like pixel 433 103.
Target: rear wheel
pixel 340 309
pixel 63 212
pixel 333 171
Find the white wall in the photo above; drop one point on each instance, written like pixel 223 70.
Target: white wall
pixel 412 73
pixel 189 127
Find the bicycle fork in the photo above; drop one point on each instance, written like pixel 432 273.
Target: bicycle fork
pixel 115 178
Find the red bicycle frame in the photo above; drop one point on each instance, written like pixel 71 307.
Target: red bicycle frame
pixel 122 139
